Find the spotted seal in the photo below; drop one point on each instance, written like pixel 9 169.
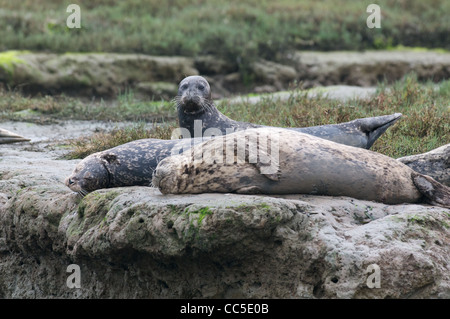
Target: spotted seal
pixel 243 162
pixel 435 163
pixel 129 164
pixel 197 113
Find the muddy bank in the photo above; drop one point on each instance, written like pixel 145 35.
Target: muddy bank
pixel 48 144
pixel 107 74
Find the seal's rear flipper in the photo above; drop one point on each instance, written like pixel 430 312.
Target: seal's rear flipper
pixel 375 126
pixel 435 192
pixel 9 137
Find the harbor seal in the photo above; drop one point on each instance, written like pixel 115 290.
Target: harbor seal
pixel 197 113
pixel 7 137
pixel 435 163
pixel 295 163
pixel 133 163
pixel 129 164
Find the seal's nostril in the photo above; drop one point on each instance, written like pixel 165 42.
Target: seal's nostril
pixel 70 181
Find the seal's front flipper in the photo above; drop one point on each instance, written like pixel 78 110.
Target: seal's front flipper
pixel 435 192
pixel 264 158
pixel 7 137
pixel 375 126
pixel 268 165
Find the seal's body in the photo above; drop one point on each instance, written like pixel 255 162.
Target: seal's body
pixel 279 161
pixel 130 164
pixel 133 163
pixel 9 137
pixel 194 103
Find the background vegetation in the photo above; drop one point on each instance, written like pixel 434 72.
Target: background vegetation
pixel 236 30
pixel 425 124
pixel 240 32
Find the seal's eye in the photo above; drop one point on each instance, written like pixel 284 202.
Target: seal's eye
pixel 201 87
pixel 184 86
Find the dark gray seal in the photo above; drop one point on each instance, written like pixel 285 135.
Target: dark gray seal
pixel 129 164
pixel 435 163
pixel 278 161
pixel 194 103
pixel 7 137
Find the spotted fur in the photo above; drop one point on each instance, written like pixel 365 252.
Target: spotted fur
pixel 306 165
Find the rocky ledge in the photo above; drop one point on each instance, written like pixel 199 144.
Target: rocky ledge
pixel 134 242
pixel 107 74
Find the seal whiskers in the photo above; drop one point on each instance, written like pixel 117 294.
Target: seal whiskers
pixel 82 193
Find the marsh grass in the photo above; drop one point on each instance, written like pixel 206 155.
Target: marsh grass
pixel 424 126
pixel 15 106
pixel 238 31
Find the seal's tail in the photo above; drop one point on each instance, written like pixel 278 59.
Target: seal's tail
pixel 375 126
pixel 9 137
pixel 435 192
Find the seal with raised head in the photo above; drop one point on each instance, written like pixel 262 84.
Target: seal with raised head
pixel 129 164
pixel 197 113
pixel 279 161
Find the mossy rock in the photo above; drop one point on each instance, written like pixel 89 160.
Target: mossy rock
pixel 101 74
pixel 8 62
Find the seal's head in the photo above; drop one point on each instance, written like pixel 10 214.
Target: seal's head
pixel 221 164
pixel 168 175
pixel 90 174
pixel 194 95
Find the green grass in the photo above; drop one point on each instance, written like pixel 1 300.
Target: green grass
pixel 416 49
pixel 425 123
pixel 236 30
pixel 15 106
pixel 424 126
